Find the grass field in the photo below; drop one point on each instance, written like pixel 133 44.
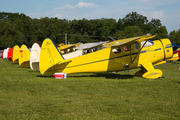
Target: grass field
pixel 25 94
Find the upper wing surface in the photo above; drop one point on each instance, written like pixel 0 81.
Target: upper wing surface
pixel 130 40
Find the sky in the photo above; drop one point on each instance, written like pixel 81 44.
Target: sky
pixel 168 11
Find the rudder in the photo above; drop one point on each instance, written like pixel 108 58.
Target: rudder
pixel 49 56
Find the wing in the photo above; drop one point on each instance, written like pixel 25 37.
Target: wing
pixel 88 46
pixel 63 47
pixel 68 48
pixel 129 41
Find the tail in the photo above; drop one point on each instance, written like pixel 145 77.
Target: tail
pixel 16 54
pixel 49 57
pixel 34 56
pixel 24 56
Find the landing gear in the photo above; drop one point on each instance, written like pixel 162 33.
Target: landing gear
pixel 148 71
pixel 126 66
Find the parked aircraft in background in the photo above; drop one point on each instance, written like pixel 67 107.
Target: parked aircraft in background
pixel 16 54
pixel 9 54
pixel 176 53
pixel 64 49
pixel 4 54
pixel 34 56
pixel 85 48
pixel 24 56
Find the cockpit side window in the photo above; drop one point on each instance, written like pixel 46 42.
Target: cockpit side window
pixel 136 45
pixel 127 48
pixel 149 43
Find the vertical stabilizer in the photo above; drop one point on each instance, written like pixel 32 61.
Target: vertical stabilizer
pixel 24 56
pixel 16 54
pixel 49 56
pixel 34 56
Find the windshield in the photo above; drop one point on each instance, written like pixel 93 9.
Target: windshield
pixel 149 43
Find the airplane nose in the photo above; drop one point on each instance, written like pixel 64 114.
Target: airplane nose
pixel 168 50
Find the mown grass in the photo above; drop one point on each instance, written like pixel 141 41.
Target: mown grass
pixel 25 94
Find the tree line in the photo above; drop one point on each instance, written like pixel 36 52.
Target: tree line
pixel 18 29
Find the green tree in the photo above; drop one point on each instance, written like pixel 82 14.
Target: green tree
pixel 119 34
pixel 21 29
pixel 156 23
pixel 135 19
pixel 132 31
pixel 119 25
pixel 161 32
pixel 10 35
pixel 174 36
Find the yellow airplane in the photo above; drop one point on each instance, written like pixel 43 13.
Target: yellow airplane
pixel 116 56
pixel 24 56
pixel 16 53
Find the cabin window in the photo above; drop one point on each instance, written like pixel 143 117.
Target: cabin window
pixel 116 50
pixel 148 43
pixel 136 45
pixel 126 48
pixel 62 52
pixel 94 50
pixel 85 52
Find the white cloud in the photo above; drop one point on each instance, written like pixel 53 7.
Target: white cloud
pixel 79 5
pixel 153 14
pixel 68 6
pixel 157 14
pixel 84 4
